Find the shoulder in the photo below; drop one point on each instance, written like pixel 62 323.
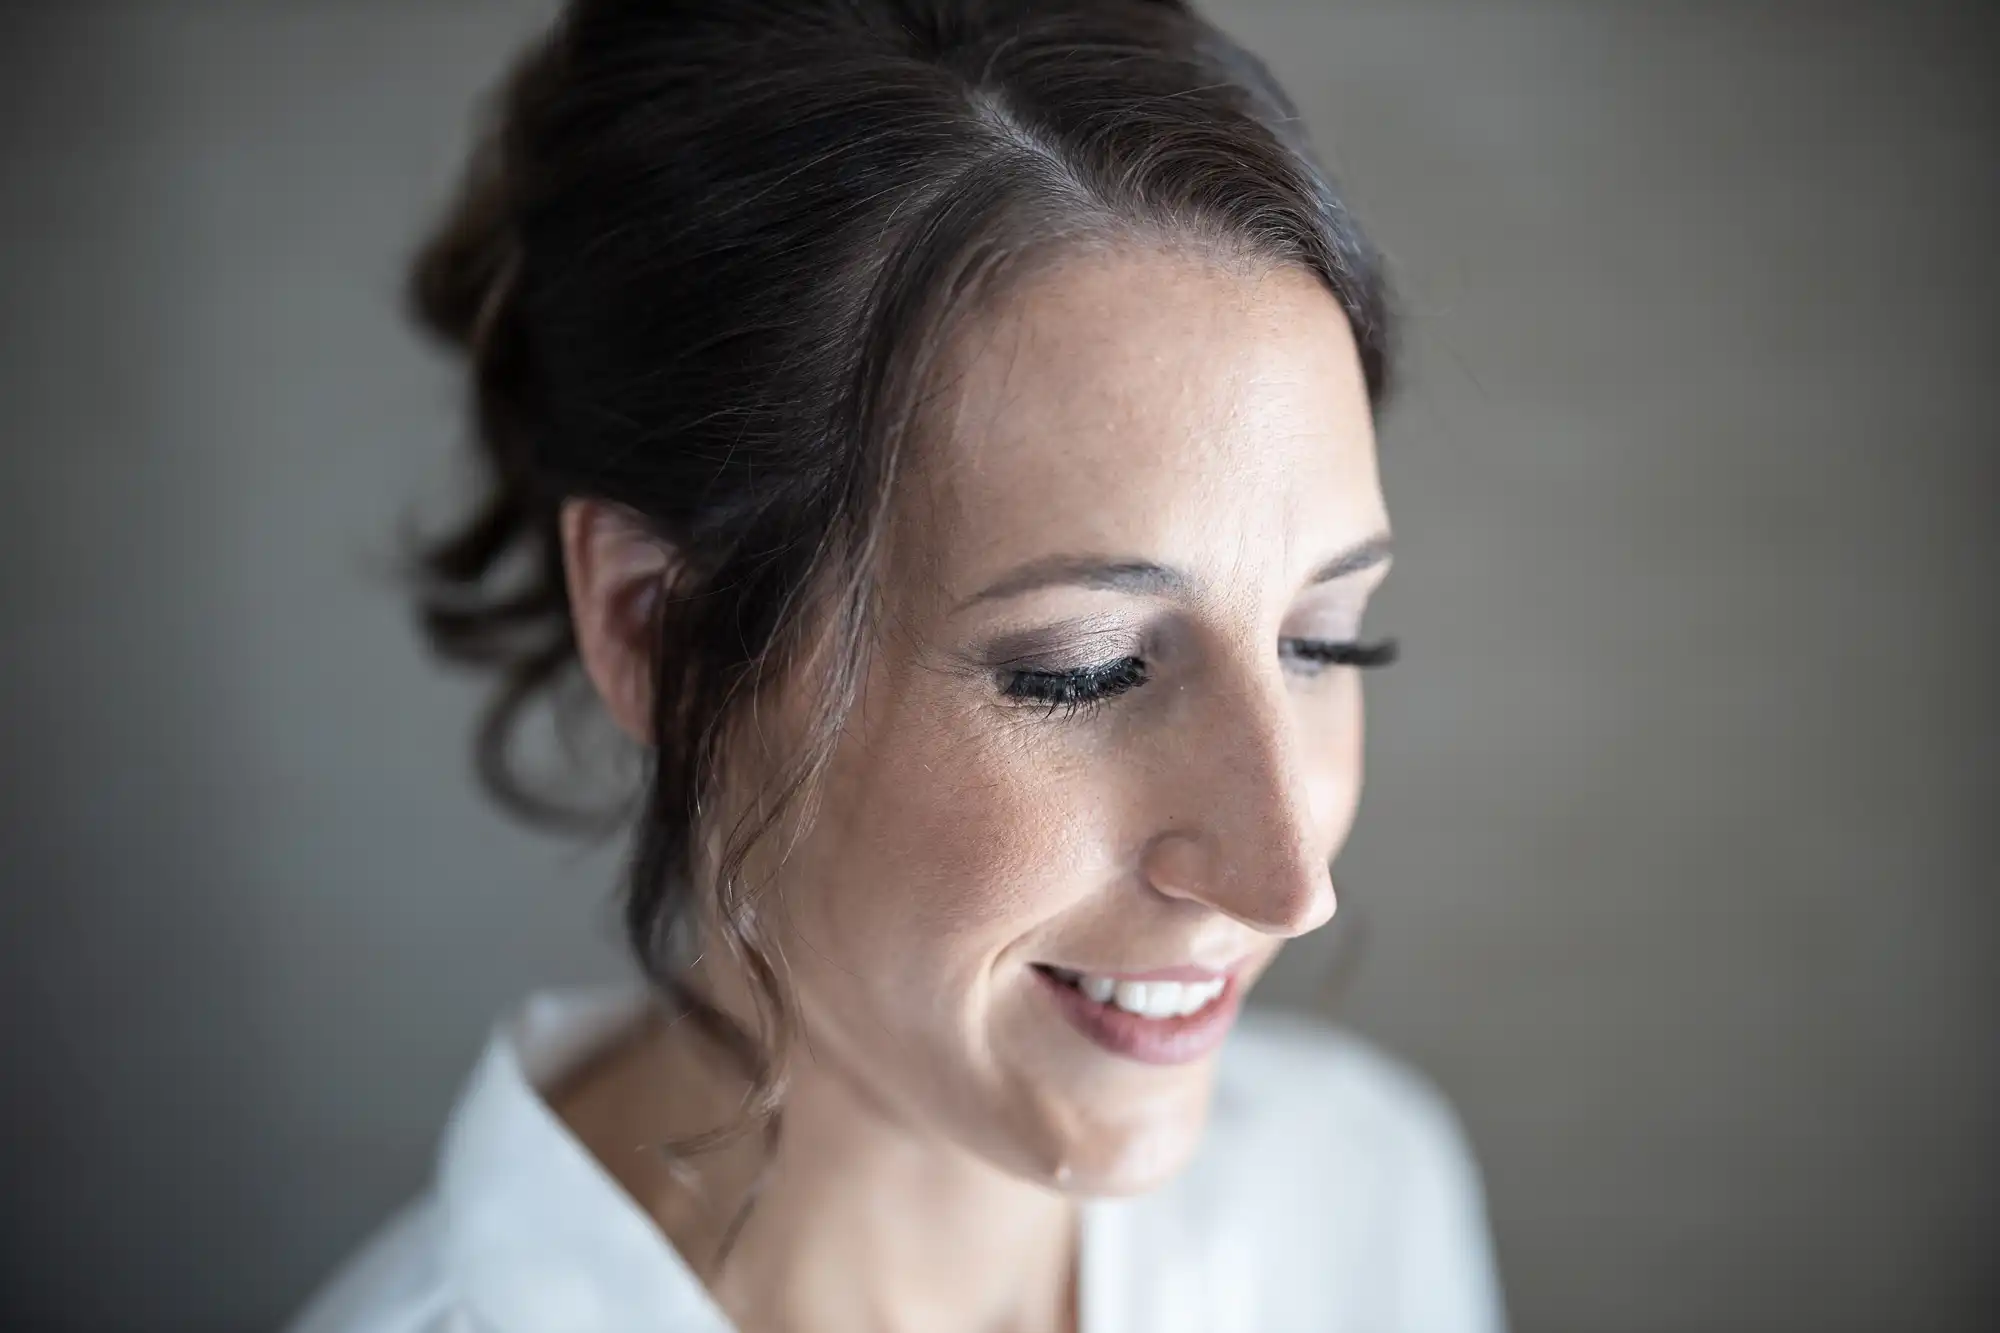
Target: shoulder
pixel 1353 1174
pixel 1323 1115
pixel 395 1282
pixel 1283 1067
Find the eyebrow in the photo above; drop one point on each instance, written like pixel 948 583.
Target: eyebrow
pixel 1149 578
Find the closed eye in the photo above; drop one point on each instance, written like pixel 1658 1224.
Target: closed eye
pixel 1077 689
pixel 1335 652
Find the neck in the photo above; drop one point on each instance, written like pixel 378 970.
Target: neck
pixel 860 1223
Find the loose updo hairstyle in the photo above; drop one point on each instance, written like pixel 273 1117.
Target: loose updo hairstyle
pixel 701 266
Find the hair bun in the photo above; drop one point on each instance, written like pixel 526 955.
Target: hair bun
pixel 465 271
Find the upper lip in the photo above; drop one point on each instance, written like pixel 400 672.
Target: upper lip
pixel 1180 972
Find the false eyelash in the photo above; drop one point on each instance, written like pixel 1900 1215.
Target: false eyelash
pixel 1329 653
pixel 1074 691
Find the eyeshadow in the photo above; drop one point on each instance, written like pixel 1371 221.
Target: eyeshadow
pixel 1066 643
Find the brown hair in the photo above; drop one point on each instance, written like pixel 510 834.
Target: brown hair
pixel 699 265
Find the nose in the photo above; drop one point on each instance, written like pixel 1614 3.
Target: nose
pixel 1259 805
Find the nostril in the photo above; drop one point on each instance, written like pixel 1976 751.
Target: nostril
pixel 1178 865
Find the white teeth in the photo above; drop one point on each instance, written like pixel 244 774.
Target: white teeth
pixel 1200 995
pixel 1152 999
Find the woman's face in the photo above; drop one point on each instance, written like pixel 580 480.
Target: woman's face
pixel 1092 745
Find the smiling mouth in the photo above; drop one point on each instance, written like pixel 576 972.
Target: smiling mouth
pixel 1158 999
pixel 1170 1017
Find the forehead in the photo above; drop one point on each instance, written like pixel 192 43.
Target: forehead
pixel 1154 404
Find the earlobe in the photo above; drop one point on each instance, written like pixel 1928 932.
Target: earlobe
pixel 615 568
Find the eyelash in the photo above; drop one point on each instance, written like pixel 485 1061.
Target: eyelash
pixel 1086 688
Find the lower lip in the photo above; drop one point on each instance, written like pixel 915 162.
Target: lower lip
pixel 1153 1041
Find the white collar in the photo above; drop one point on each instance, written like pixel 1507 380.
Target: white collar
pixel 537 1235
pixel 541 1239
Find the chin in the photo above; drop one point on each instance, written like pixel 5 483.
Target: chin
pixel 1141 1163
pixel 1135 1152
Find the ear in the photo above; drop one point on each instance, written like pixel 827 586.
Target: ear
pixel 616 570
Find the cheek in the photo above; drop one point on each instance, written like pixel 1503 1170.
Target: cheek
pixel 938 845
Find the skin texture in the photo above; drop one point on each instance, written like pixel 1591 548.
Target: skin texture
pixel 1142 403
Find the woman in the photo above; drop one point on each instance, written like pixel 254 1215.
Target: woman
pixel 940 434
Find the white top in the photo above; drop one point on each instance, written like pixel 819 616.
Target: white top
pixel 1333 1193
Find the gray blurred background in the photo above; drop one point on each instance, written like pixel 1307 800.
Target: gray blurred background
pixel 1676 866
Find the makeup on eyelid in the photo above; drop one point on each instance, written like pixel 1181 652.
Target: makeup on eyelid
pixel 1066 647
pixel 1082 643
